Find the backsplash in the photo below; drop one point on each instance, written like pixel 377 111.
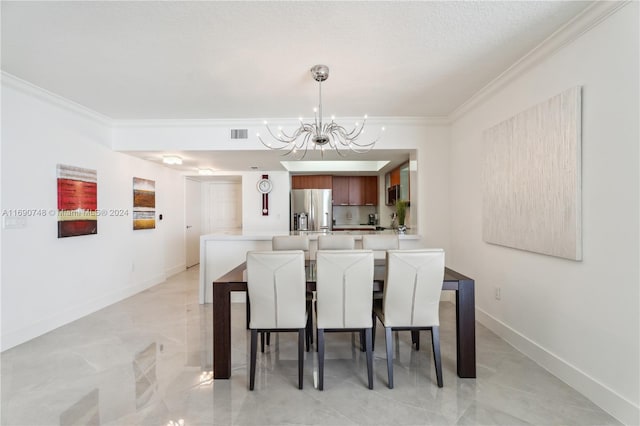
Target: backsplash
pixel 352 215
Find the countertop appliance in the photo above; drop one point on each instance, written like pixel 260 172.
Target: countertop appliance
pixel 316 205
pixel 373 219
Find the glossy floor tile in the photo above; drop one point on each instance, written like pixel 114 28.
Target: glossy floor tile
pixel 147 361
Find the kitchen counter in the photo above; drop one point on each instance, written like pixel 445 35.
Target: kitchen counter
pixel 354 227
pixel 219 253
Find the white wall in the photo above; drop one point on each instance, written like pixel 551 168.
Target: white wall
pixel 278 218
pixel 429 169
pixel 46 281
pixel 580 320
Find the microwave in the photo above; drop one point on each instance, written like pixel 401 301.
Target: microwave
pixel 393 194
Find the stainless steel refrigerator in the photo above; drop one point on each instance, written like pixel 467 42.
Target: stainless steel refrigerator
pixel 316 204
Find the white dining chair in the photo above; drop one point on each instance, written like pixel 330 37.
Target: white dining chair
pixel 290 242
pixel 411 299
pixel 336 242
pixel 276 286
pixel 294 242
pixel 344 287
pixel 380 243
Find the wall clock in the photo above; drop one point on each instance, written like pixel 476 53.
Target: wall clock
pixel 264 187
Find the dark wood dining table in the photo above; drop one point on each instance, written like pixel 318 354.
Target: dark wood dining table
pixel 453 281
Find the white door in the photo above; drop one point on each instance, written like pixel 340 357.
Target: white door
pixel 222 206
pixel 193 219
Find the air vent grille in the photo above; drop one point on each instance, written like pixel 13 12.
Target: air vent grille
pixel 239 134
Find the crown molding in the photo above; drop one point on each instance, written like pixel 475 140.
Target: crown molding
pixel 572 30
pixel 253 122
pixel 31 89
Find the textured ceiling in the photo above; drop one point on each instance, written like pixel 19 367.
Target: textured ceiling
pixel 132 60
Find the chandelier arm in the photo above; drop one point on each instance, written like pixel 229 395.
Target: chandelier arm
pixel 335 136
pixel 306 145
pixel 292 149
pixel 355 133
pixel 271 146
pixel 279 139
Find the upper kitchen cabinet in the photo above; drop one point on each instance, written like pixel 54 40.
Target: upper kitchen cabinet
pixel 395 177
pixel 370 190
pixel 404 182
pixel 340 191
pixel 311 182
pixel 397 184
pixel 355 190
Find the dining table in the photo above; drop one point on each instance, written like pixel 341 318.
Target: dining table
pixel 235 280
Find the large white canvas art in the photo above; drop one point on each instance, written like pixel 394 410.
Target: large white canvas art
pixel 532 179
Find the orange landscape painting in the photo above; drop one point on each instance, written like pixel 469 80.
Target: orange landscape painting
pixel 144 204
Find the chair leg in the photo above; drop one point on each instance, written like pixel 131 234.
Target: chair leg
pixel 362 341
pixel 252 361
pixel 248 309
pixel 415 338
pixel 262 341
pixel 388 338
pixel 374 319
pixel 309 326
pixel 320 341
pixel 310 320
pixel 435 340
pixel 300 356
pixel 367 342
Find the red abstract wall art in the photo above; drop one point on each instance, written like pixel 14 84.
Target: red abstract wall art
pixel 77 201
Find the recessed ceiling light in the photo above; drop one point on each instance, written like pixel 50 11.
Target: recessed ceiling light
pixel 171 159
pixel 205 172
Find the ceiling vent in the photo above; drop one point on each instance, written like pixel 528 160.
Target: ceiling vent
pixel 239 133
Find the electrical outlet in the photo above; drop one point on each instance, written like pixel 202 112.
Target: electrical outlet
pixel 498 294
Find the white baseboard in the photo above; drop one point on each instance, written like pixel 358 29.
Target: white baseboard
pixel 31 331
pixel 618 406
pixel 176 270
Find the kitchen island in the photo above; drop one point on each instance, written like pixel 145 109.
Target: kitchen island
pixel 219 253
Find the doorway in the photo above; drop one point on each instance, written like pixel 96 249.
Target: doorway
pixel 222 205
pixel 193 221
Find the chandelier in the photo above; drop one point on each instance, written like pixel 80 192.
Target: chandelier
pixel 318 134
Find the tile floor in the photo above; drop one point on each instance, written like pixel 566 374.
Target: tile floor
pixel 145 360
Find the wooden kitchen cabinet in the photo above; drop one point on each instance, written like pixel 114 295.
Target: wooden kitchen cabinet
pixel 370 190
pixel 399 177
pixel 395 177
pixel 355 190
pixel 311 182
pixel 340 190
